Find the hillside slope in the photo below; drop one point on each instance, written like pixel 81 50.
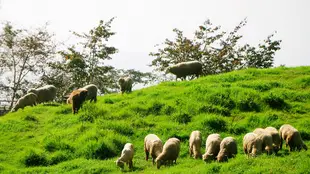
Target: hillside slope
pixel 50 139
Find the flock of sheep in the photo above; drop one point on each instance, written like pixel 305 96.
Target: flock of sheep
pixel 267 140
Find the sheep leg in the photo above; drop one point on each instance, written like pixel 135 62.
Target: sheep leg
pixel 95 99
pixel 146 155
pixel 130 164
pixel 281 142
pixel 190 151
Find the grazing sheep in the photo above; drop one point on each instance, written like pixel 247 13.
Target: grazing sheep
pixel 183 69
pixel 212 147
pixel 170 152
pixel 252 145
pixel 228 149
pixel 77 98
pixel 195 142
pixel 91 92
pixel 266 138
pixel 125 83
pixel 292 138
pixel 126 156
pixel 152 145
pixel 45 94
pixel 275 138
pixel 29 99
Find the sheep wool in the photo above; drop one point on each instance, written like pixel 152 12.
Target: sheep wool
pixel 126 156
pixel 45 94
pixel 170 152
pixel 195 142
pixel 29 99
pixel 228 149
pixel 183 69
pixel 212 147
pixel 152 145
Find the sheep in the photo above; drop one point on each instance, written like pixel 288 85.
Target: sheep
pixel 228 149
pixel 125 83
pixel 77 97
pixel 45 94
pixel 29 99
pixel 252 145
pixel 152 145
pixel 126 156
pixel 212 147
pixel 195 142
pixel 183 69
pixel 170 152
pixel 266 138
pixel 275 138
pixel 92 92
pixel 292 138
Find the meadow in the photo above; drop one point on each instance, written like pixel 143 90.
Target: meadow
pixel 48 138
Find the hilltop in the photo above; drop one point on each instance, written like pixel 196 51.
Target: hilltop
pixel 50 139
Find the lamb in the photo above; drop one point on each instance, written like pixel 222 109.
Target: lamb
pixel 212 147
pixel 183 69
pixel 152 145
pixel 252 145
pixel 45 94
pixel 170 152
pixel 292 138
pixel 266 139
pixel 275 138
pixel 77 98
pixel 195 142
pixel 29 99
pixel 228 149
pixel 92 92
pixel 125 83
pixel 126 156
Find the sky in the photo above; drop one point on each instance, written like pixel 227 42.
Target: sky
pixel 141 24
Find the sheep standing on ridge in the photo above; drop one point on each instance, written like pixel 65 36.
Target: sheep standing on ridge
pixel 126 156
pixel 212 147
pixel 170 152
pixel 77 98
pixel 45 94
pixel 252 145
pixel 91 92
pixel 29 99
pixel 275 138
pixel 292 138
pixel 152 145
pixel 183 69
pixel 228 149
pixel 195 142
pixel 266 138
pixel 125 83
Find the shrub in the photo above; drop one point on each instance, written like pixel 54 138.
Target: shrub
pixel 275 101
pixel 52 144
pixel 253 121
pixel 155 108
pixel 238 129
pixel 214 109
pixel 98 150
pixel 34 158
pixel 64 109
pixel 168 110
pixel 215 123
pixel 30 118
pixel 91 112
pixel 59 157
pixel 182 118
pixel 223 99
pixel 108 101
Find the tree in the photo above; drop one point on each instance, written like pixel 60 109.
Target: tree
pixel 23 55
pixel 218 50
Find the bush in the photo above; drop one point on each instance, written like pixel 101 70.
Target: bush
pixel 214 109
pixel 34 158
pixel 182 118
pixel 238 129
pixel 98 150
pixel 52 144
pixel 223 99
pixel 168 110
pixel 155 108
pixel 30 118
pixel 215 123
pixel 59 157
pixel 91 112
pixel 275 101
pixel 64 109
pixel 108 101
pixel 253 121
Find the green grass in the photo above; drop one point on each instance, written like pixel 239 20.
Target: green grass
pixel 50 139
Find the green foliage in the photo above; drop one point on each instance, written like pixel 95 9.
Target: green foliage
pixel 275 101
pixel 34 158
pixel 214 123
pixel 182 118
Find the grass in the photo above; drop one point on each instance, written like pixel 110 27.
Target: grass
pixel 50 139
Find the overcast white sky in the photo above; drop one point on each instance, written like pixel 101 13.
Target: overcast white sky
pixel 140 24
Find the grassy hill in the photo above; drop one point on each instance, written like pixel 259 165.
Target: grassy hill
pixel 50 139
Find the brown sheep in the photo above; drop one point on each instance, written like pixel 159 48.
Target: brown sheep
pixel 252 145
pixel 152 145
pixel 292 138
pixel 228 149
pixel 195 142
pixel 212 147
pixel 77 97
pixel 275 138
pixel 266 138
pixel 170 152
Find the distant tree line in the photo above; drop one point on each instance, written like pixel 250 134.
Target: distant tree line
pixel 29 58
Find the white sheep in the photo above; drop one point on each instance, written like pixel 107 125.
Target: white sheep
pixel 228 149
pixel 252 145
pixel 183 69
pixel 45 94
pixel 275 138
pixel 292 138
pixel 91 92
pixel 266 138
pixel 195 142
pixel 29 99
pixel 126 156
pixel 125 83
pixel 170 152
pixel 152 145
pixel 212 147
